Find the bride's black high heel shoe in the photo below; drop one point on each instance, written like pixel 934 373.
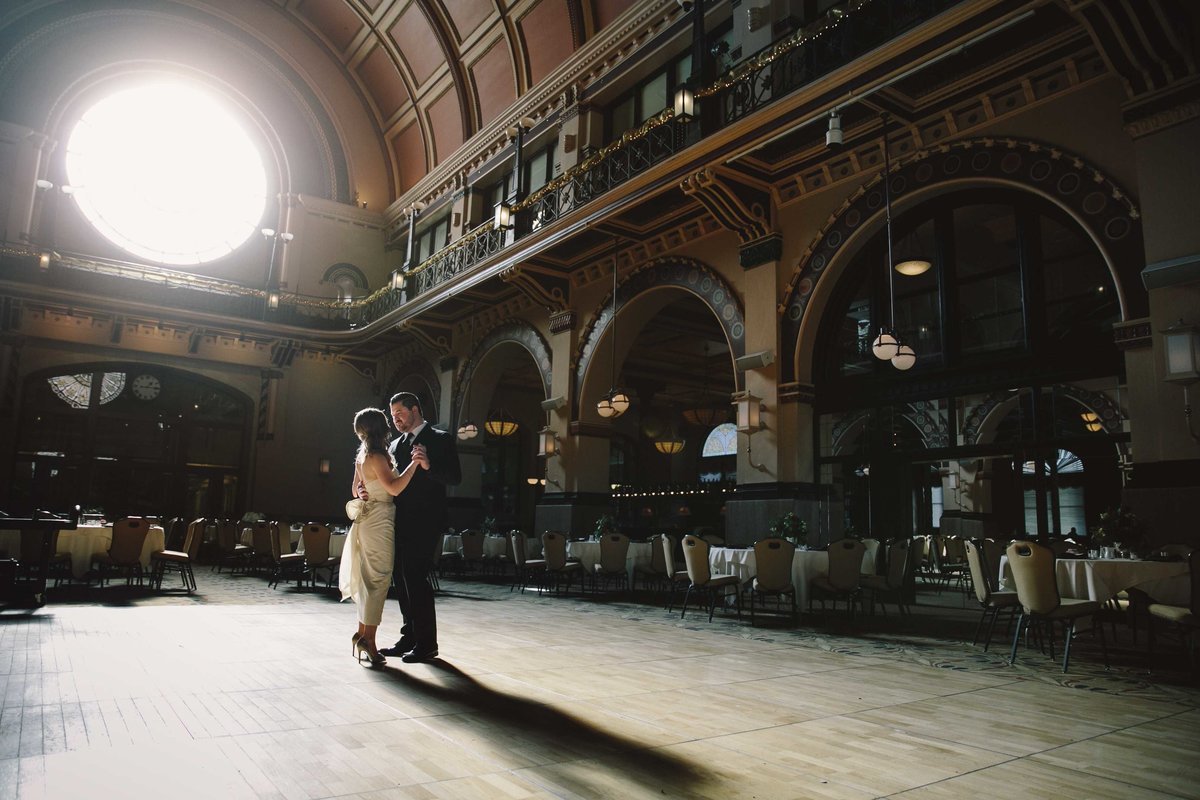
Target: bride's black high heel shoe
pixel 366 657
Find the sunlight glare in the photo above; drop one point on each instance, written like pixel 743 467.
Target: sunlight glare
pixel 167 173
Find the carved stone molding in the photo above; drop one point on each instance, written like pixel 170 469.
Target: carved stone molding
pixel 541 289
pixel 561 321
pixel 737 206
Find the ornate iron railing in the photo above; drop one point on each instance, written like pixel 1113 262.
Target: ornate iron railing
pixel 456 259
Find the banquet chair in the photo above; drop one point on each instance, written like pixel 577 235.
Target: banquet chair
pixel 675 576
pixel 558 566
pixel 176 531
pixel 701 579
pixel 316 553
pixel 614 550
pixel 773 562
pixel 655 571
pixel 1183 619
pixel 872 548
pixel 843 578
pixel 523 567
pixel 125 552
pixel 984 579
pixel 471 551
pixel 179 560
pixel 1037 591
pixel 288 565
pixel 34 546
pixel 229 550
pixel 262 555
pixel 891 583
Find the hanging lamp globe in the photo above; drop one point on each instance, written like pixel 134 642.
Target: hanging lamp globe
pixel 913 266
pixel 905 357
pixel 468 430
pixel 886 345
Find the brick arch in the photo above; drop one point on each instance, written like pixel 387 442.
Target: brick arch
pixel 517 332
pixel 668 272
pixel 1102 209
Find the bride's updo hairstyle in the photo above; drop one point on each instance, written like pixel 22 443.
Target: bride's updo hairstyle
pixel 371 426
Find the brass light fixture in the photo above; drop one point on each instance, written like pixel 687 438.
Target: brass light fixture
pixel 1091 421
pixel 501 424
pixel 888 345
pixel 616 402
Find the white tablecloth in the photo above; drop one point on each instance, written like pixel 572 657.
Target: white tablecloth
pixel 806 565
pixel 1101 578
pixel 289 538
pixel 588 554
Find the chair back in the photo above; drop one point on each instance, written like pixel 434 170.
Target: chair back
pixel 845 564
pixel 614 548
pixel 658 559
pixel 953 551
pixel 668 554
pixel 1194 563
pixel 195 535
pixel 1033 573
pixel 773 560
pixel 260 538
pixel 695 555
pixel 472 545
pixel 316 543
pixel 227 536
pixel 872 547
pixel 176 533
pixel 277 542
pixel 129 536
pixel 992 551
pixel 516 541
pixel 977 563
pixel 898 554
pixel 554 549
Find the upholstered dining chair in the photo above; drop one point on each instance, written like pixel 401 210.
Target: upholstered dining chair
pixel 891 584
pixel 1037 591
pixel 654 572
pixel 231 552
pixel 1184 619
pixel 471 551
pixel 844 577
pixel 614 550
pixel 558 566
pixel 773 578
pixel 36 545
pixel 125 553
pixel 984 578
pixel 524 567
pixel 288 565
pixel 675 576
pixel 260 542
pixel 701 579
pixel 316 553
pixel 179 560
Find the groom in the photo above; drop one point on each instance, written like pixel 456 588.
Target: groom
pixel 420 523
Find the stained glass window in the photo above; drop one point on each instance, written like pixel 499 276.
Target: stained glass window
pixel 76 390
pixel 1067 462
pixel 722 441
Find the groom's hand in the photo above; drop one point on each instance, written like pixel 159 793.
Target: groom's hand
pixel 362 492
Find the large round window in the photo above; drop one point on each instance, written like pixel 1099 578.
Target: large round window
pixel 166 172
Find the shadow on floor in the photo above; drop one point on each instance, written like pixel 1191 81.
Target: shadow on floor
pixel 549 728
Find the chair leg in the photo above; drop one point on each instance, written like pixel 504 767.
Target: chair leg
pixel 686 596
pixel 1012 657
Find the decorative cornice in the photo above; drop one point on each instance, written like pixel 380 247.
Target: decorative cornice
pixel 562 321
pixel 761 251
pixel 434 338
pixel 743 209
pixel 550 298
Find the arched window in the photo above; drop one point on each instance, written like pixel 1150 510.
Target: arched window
pixel 721 441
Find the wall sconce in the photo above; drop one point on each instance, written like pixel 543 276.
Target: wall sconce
pixel 44 261
pixel 749 421
pixel 396 281
pixel 685 104
pixel 547 442
pixel 1181 343
pixel 503 219
pixel 323 466
pixel 952 481
pixel 272 300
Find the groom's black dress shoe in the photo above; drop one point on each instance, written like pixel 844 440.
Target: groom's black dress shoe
pixel 399 648
pixel 417 656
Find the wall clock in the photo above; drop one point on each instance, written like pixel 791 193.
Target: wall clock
pixel 146 387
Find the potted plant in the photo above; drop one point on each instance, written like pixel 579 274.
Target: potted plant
pixel 790 527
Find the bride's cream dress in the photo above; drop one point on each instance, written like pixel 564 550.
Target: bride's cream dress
pixel 366 571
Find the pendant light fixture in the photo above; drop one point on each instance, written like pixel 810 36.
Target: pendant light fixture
pixel 616 402
pixel 887 345
pixel 468 430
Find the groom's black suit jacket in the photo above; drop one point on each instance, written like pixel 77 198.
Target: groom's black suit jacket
pixel 421 507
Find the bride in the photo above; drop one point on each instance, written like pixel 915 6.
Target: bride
pixel 366 569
